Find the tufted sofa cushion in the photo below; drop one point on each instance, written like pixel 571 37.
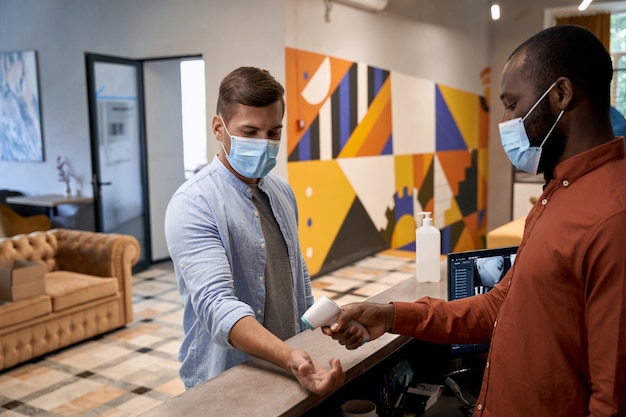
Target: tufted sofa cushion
pixel 68 289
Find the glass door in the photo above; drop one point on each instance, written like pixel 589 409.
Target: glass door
pixel 118 149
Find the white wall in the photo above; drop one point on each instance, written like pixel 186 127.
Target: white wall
pixel 226 34
pixel 164 129
pixel 446 41
pixel 440 40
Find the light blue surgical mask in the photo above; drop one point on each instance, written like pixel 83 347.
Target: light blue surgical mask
pixel 251 157
pixel 516 143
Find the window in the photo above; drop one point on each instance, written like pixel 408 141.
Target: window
pixel 618 53
pixel 617 10
pixel 194 115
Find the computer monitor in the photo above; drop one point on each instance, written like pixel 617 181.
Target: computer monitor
pixel 476 272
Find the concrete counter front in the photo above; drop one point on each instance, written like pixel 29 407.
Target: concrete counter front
pixel 257 388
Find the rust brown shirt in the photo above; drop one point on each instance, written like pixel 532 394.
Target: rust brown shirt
pixel 557 320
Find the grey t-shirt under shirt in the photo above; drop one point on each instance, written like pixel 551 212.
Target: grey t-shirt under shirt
pixel 279 302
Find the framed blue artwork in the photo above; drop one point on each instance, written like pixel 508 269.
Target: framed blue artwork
pixel 20 112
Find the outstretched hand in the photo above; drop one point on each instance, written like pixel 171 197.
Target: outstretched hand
pixel 315 377
pixel 377 318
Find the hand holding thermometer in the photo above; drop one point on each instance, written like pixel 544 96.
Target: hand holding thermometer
pixel 324 312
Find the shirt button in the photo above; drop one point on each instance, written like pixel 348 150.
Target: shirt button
pixel 256 214
pixel 565 183
pixel 259 312
pixel 544 201
pixel 479 406
pixel 495 323
pixel 487 365
pixel 263 245
pixel 248 190
pixel 261 278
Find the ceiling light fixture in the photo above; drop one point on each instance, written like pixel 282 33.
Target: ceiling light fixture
pixel 495 11
pixel 584 4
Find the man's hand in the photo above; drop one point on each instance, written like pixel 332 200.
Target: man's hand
pixel 315 377
pixel 250 336
pixel 377 318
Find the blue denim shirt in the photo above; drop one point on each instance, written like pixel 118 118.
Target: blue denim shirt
pixel 214 238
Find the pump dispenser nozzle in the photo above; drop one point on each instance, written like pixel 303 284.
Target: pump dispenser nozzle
pixel 426 220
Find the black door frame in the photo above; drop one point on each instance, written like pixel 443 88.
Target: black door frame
pixel 90 60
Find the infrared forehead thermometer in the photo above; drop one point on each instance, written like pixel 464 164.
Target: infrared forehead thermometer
pixel 324 312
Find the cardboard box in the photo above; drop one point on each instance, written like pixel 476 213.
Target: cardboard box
pixel 21 279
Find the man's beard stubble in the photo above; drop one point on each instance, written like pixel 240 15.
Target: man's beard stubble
pixel 551 154
pixel 554 146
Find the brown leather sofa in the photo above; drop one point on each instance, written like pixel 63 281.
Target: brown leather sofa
pixel 88 291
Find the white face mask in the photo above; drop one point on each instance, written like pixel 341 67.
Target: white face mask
pixel 516 143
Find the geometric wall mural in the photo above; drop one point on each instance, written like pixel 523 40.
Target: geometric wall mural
pixel 368 149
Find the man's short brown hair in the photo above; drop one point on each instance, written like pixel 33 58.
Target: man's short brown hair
pixel 248 86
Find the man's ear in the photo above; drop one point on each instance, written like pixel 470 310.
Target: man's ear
pixel 217 126
pixel 565 91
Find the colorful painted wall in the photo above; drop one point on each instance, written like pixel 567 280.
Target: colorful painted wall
pixel 368 149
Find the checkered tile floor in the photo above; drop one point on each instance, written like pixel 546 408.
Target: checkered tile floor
pixel 126 372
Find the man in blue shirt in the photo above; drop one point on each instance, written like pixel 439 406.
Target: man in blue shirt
pixel 232 234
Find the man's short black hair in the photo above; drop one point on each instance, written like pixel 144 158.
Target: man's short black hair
pixel 573 52
pixel 248 86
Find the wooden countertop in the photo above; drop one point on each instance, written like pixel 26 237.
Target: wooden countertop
pixel 258 388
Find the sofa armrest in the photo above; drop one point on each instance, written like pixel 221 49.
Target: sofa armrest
pixel 99 254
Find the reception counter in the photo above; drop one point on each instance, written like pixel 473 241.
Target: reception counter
pixel 257 388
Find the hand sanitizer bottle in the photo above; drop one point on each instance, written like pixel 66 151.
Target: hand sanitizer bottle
pixel 427 251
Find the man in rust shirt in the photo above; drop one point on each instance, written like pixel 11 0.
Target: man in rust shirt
pixel 557 320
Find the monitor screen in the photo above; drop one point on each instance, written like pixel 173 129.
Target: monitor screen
pixel 476 272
